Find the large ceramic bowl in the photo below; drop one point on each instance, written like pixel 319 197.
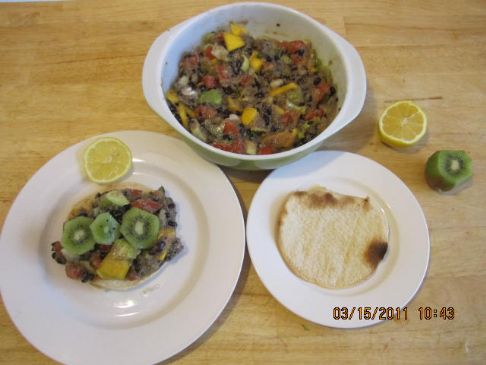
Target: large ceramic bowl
pixel 161 68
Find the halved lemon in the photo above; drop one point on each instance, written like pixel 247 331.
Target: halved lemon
pixel 402 124
pixel 106 160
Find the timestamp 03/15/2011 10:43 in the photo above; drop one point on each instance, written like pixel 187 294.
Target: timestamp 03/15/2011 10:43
pixel 390 313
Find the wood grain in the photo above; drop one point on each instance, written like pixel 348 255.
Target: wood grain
pixel 71 70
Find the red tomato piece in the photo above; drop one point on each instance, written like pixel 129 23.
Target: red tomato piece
pixel 224 76
pixel 265 150
pixel 209 81
pixel 190 62
pixel 231 129
pixel 149 205
pixel 246 80
pixel 314 113
pixel 205 112
pixel 289 117
pixel 320 91
pixel 208 52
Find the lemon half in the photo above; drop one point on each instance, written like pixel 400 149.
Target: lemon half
pixel 402 124
pixel 106 160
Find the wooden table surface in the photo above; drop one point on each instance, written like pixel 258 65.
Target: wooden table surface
pixel 71 70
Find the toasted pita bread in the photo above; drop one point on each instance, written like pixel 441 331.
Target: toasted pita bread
pixel 330 239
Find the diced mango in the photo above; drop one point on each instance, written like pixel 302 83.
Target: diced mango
pixel 113 268
pixel 181 110
pixel 232 41
pixel 237 29
pixel 233 105
pixel 167 232
pixel 284 89
pixel 172 96
pixel 278 110
pixel 255 62
pixel 248 115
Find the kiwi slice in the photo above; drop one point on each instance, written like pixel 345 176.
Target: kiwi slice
pixel 105 229
pixel 140 228
pixel 446 170
pixel 76 236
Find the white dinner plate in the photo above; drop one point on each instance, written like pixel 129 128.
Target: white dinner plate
pixel 397 278
pixel 76 323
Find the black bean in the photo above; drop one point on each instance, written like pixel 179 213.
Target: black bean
pixel 274 128
pixel 87 276
pixel 54 255
pixel 317 81
pixel 171 206
pixel 332 90
pixel 172 223
pixel 301 52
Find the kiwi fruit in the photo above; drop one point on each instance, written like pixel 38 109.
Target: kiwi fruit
pixel 77 238
pixel 105 229
pixel 446 170
pixel 140 228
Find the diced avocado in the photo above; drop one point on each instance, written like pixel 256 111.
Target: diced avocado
pixel 124 250
pixel 295 96
pixel 246 64
pixel 213 97
pixel 113 199
pixel 116 264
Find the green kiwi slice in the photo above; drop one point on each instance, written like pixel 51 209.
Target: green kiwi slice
pixel 140 228
pixel 76 236
pixel 105 229
pixel 446 170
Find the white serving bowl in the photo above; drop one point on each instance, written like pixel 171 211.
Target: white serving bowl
pixel 162 62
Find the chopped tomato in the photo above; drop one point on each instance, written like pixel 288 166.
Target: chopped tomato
pixel 265 150
pixel 133 194
pixel 224 76
pixel 75 270
pixel 289 117
pixel 320 91
pixel 149 205
pixel 237 146
pixel 314 113
pixel 209 81
pixel 293 46
pixel 279 140
pixel 190 62
pixel 246 80
pixel 208 52
pixel 205 112
pixel 231 129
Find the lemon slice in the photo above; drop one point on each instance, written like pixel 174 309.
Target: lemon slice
pixel 402 124
pixel 106 160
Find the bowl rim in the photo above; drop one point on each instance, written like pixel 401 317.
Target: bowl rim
pixel 181 27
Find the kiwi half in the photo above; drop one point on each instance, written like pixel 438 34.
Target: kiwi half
pixel 446 170
pixel 140 228
pixel 76 236
pixel 105 229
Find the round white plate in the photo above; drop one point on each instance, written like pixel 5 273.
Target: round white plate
pixel 397 278
pixel 76 323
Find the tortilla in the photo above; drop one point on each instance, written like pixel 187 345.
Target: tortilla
pixel 330 239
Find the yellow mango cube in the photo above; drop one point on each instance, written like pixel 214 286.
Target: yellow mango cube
pixel 237 29
pixel 248 115
pixel 232 41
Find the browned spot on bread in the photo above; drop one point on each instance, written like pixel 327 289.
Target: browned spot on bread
pixel 366 204
pixel 375 252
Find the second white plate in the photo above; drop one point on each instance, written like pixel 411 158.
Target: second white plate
pixel 397 278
